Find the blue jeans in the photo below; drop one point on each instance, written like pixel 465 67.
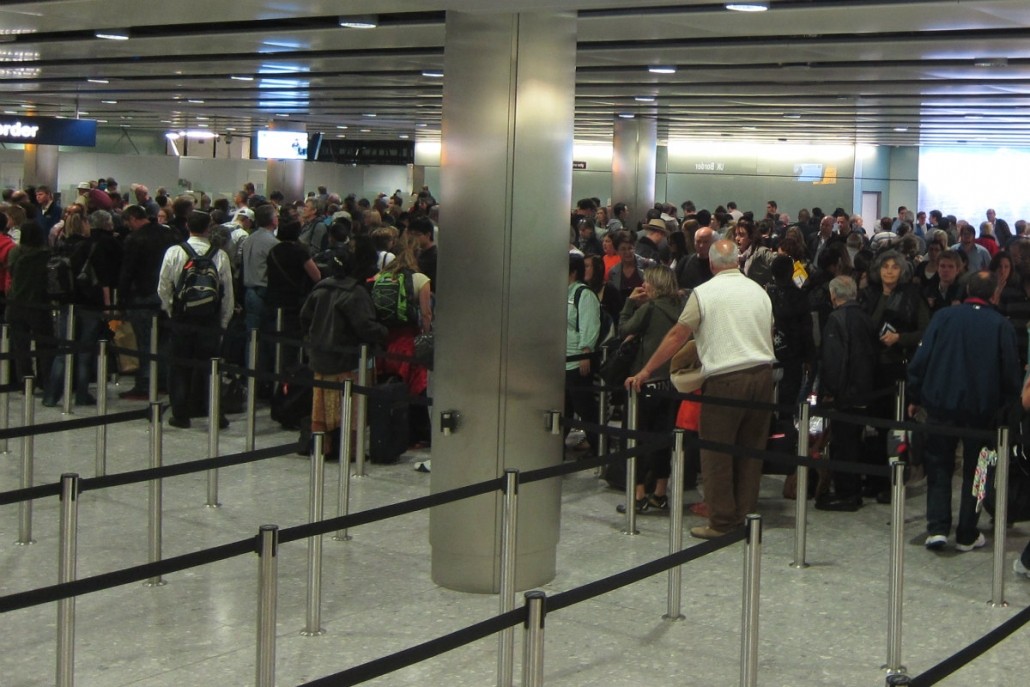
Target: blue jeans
pixel 257 316
pixel 940 466
pixel 87 325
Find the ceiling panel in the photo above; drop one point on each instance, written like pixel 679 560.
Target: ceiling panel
pixel 865 71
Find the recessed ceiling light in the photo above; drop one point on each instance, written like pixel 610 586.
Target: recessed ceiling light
pixel 433 74
pixel 109 102
pixel 341 126
pixel 369 114
pixel 626 115
pixel 359 21
pixel 750 128
pixel 112 35
pixel 792 116
pixel 989 62
pixel 230 128
pixel 241 78
pixel 195 102
pixel 199 118
pixel 404 136
pixel 366 131
pixel 901 129
pixel 98 80
pixel 423 124
pixel 283 114
pixel 644 99
pixel 750 6
pixel 662 70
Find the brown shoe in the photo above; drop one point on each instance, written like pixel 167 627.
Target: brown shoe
pixel 705 532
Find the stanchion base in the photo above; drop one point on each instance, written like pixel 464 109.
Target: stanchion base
pixel 666 616
pixel 894 671
pixel 797 566
pixel 212 505
pixel 308 633
pixel 1003 604
pixel 355 475
pixel 342 537
pixel 627 532
pixel 155 583
pixel 20 542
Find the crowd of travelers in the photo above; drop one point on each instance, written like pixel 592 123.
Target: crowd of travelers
pixel 821 308
pixel 212 270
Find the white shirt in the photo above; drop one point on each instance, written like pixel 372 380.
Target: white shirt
pixel 171 267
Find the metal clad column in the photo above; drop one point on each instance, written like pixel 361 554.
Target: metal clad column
pixel 634 162
pixel 506 193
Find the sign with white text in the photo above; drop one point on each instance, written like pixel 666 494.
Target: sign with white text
pixel 48 131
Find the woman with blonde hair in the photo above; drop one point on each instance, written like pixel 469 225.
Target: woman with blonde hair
pixel 649 312
pixel 400 338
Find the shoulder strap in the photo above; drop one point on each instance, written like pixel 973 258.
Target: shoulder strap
pixel 189 249
pixel 575 303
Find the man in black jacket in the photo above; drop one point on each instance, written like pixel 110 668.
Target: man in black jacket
pixel 137 284
pixel 847 362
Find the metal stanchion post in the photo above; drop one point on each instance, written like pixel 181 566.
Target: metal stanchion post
pixel 362 414
pixel 214 416
pixel 69 361
pixel 801 504
pixel 154 494
pixel 675 494
pixel 533 640
pixel 343 483
pixel 631 465
pixel 28 446
pixel 1001 516
pixel 252 348
pixel 268 598
pixel 509 532
pixel 152 363
pixel 897 568
pixel 5 379
pixel 749 614
pixel 101 461
pixel 315 512
pixel 66 573
pixel 278 344
pixel 602 416
pixel 899 401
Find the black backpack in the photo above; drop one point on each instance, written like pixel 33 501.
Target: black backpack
pixel 198 290
pixel 60 282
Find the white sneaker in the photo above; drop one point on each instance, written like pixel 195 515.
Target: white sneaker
pixel 1019 568
pixel 980 542
pixel 936 542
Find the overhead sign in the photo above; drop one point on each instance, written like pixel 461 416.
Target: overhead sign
pixel 579 164
pixel 48 131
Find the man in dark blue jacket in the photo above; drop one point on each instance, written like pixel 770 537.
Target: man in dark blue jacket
pixel 964 372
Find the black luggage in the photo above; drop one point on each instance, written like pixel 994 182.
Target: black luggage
pixel 388 421
pixel 291 401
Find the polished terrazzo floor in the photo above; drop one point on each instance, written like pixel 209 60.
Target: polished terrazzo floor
pixel 824 625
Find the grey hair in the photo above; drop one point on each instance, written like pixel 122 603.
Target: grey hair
pixel 100 219
pixel 723 255
pixel 843 288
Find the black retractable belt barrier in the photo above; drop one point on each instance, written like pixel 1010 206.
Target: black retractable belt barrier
pixel 77 423
pixel 973 651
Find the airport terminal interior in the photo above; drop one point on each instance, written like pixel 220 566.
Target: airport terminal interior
pixel 861 104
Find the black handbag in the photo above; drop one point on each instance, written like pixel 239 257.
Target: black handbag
pixel 1019 478
pixel 619 364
